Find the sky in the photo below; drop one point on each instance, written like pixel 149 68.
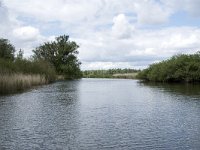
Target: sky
pixel 110 33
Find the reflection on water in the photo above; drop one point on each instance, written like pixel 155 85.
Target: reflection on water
pixel 189 89
pixel 102 114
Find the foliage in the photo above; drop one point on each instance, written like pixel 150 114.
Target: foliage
pixel 17 74
pixel 25 66
pixel 20 55
pixel 179 68
pixel 110 73
pixel 7 50
pixel 19 82
pixel 62 53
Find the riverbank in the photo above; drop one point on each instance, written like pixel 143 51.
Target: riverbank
pixel 179 68
pixel 18 82
pixel 21 74
pixel 14 83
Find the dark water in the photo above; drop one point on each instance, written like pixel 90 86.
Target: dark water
pixel 102 114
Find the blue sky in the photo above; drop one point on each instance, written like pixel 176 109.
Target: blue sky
pixel 111 33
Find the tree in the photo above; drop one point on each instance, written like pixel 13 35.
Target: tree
pixel 20 55
pixel 7 50
pixel 62 53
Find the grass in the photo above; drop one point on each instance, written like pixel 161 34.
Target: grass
pixel 20 75
pixel 125 75
pixel 12 83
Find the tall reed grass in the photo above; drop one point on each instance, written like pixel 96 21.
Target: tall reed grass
pixel 12 83
pixel 19 75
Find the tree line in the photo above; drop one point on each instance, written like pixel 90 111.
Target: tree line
pixel 110 73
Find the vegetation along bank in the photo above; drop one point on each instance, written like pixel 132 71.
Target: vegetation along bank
pixel 111 73
pixel 49 61
pixel 179 68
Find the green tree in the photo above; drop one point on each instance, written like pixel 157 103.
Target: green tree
pixel 7 50
pixel 62 53
pixel 20 55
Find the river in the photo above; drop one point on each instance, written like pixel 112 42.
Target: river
pixel 102 114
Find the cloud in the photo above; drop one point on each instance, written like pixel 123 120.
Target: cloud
pixel 190 6
pixel 68 11
pixel 7 22
pixel 62 10
pixel 121 27
pixel 22 37
pixel 145 46
pixel 27 38
pixel 105 65
pixel 3 13
pixel 151 12
pixel 26 33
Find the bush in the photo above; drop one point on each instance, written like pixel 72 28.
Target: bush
pixel 179 68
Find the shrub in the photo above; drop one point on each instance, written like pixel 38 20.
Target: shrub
pixel 179 68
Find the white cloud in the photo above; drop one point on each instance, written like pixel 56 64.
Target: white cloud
pixel 3 13
pixel 105 65
pixel 151 12
pixel 121 27
pixel 62 10
pixel 190 6
pixel 26 33
pixel 22 37
pixel 145 46
pixel 7 22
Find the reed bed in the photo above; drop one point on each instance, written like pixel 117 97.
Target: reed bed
pixel 125 75
pixel 12 83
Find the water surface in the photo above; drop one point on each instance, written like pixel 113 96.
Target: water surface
pixel 102 114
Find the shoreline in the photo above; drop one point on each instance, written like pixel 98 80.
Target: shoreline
pixel 17 82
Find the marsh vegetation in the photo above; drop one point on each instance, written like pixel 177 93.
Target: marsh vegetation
pixel 22 74
pixel 179 68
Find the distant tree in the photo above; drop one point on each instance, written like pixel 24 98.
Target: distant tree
pixel 62 53
pixel 20 55
pixel 7 50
